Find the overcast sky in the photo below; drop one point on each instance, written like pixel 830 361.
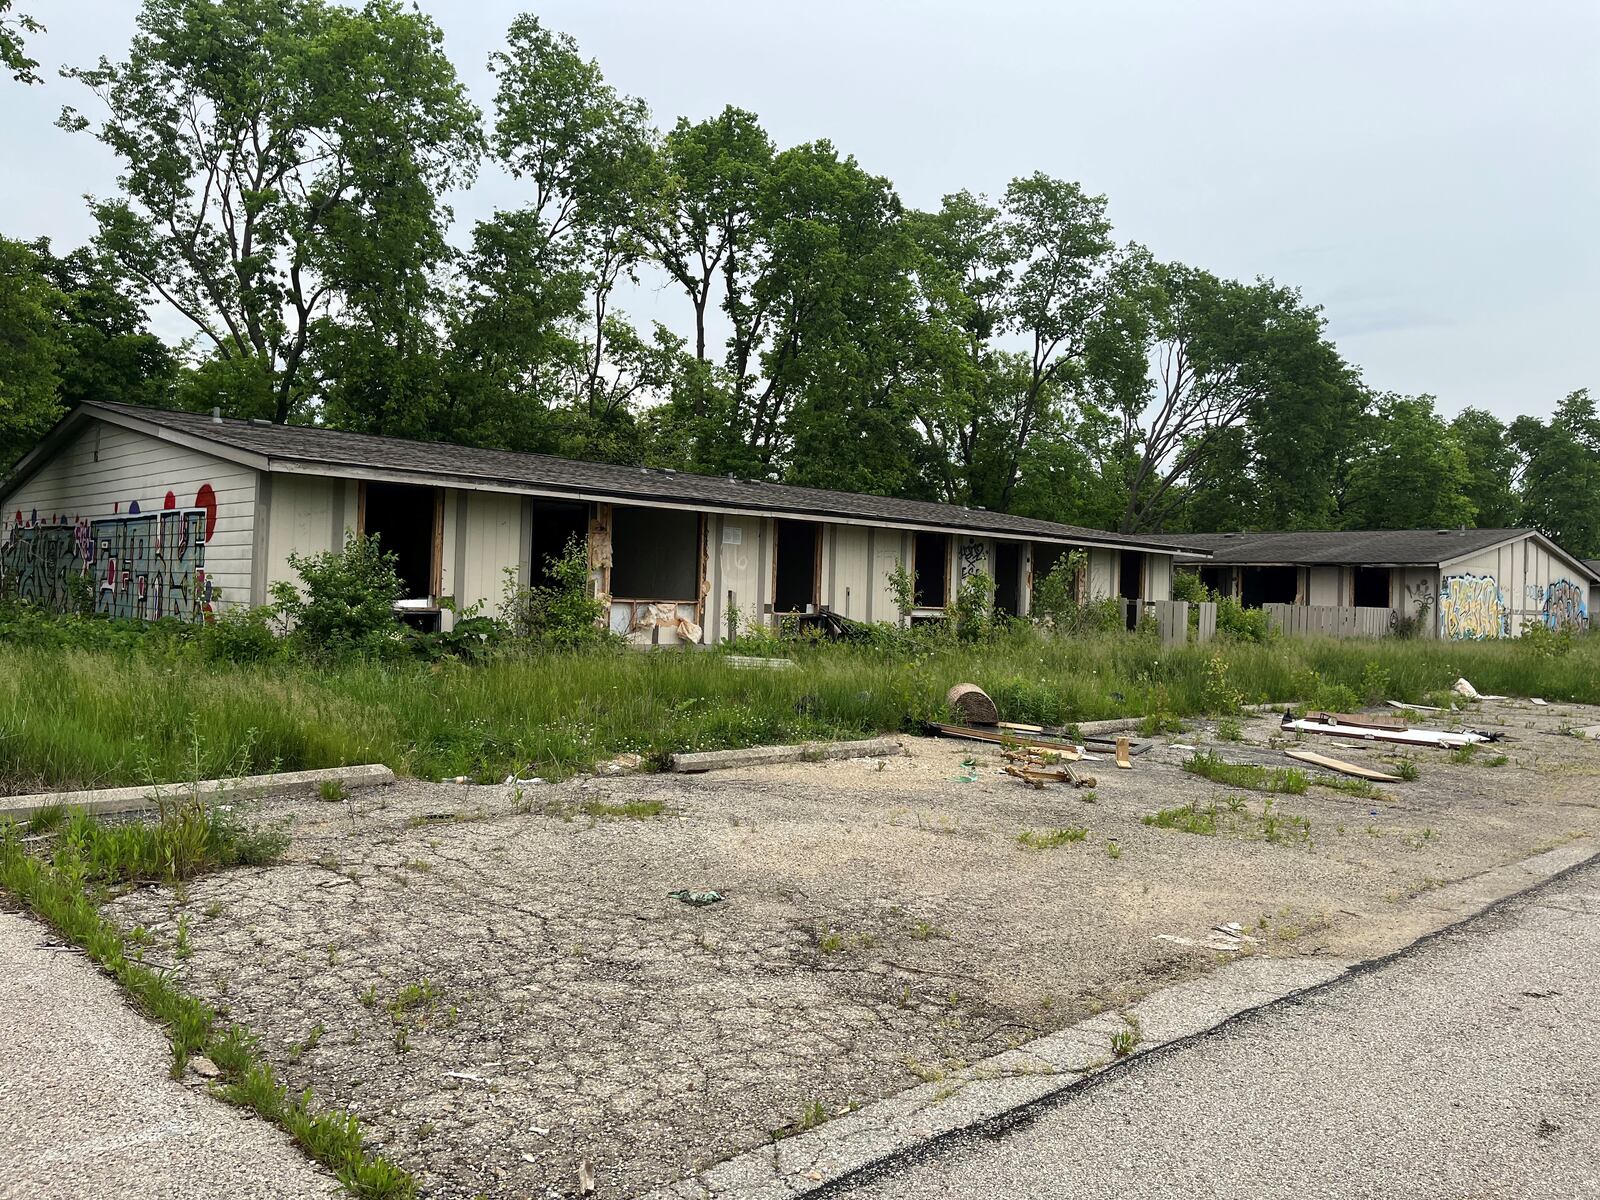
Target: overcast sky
pixel 1427 171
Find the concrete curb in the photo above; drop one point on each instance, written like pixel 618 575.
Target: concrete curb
pixel 104 801
pixel 762 756
pixel 1002 1090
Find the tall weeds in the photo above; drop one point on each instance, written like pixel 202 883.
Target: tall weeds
pixel 82 718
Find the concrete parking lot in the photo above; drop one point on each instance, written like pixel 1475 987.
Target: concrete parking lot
pixel 498 983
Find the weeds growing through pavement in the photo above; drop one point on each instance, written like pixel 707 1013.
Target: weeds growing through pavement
pixel 1050 839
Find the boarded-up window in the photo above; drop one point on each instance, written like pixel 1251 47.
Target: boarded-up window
pixel 655 554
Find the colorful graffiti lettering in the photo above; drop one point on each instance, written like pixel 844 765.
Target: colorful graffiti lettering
pixel 1565 606
pixel 143 565
pixel 1472 606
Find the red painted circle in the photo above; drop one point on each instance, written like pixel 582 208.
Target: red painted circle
pixel 206 498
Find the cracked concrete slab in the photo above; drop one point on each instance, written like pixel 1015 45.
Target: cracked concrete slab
pixel 496 981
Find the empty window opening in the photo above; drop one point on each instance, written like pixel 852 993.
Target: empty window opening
pixel 1008 578
pixel 799 544
pixel 1269 585
pixel 1218 580
pixel 1130 582
pixel 1372 587
pixel 655 554
pixel 1046 558
pixel 406 521
pixel 556 523
pixel 931 569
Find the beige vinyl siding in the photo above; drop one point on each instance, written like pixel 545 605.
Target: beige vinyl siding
pixel 739 570
pixel 891 548
pixel 106 469
pixel 304 517
pixel 847 584
pixel 1324 586
pixel 1157 577
pixel 1102 573
pixel 483 537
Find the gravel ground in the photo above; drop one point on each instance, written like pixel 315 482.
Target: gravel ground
pixel 500 987
pixel 1463 1069
pixel 87 1107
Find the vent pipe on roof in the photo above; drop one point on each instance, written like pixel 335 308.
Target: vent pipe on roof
pixel 216 416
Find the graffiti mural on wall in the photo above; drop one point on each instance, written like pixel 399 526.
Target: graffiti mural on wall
pixel 143 565
pixel 1565 606
pixel 1472 606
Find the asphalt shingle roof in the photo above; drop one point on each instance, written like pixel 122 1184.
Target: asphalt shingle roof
pixel 1345 547
pixel 332 448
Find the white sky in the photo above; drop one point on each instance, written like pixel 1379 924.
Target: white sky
pixel 1428 170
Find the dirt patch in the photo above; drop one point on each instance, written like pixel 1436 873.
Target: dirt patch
pixel 499 985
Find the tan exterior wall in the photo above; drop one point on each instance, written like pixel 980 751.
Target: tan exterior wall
pixel 306 514
pixel 482 539
pixel 1323 586
pixel 104 472
pixel 847 582
pixel 1522 582
pixel 739 573
pixel 1102 574
pixel 1157 577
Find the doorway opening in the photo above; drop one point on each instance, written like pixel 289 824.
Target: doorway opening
pixel 556 523
pixel 1130 582
pixel 1008 578
pixel 931 570
pixel 407 521
pixel 1269 585
pixel 1372 587
pixel 799 549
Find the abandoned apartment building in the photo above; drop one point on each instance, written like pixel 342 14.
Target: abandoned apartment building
pixel 179 514
pixel 1463 583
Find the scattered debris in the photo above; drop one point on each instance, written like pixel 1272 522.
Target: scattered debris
pixel 1588 731
pixel 1344 768
pixel 1228 938
pixel 467 1075
pixel 457 779
pixel 1184 746
pixel 622 764
pixel 1064 750
pixel 1539 702
pixel 585 1176
pixel 1123 761
pixel 1405 737
pixel 969 771
pixel 1462 688
pixel 531 781
pixel 1401 704
pixel 1359 720
pixel 204 1067
pixel 973 704
pixel 686 896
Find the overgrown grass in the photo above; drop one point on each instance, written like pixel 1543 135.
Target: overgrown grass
pixel 57 892
pixel 1247 775
pixel 89 717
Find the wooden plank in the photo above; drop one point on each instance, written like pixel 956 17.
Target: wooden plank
pixel 1064 750
pixel 1344 768
pixel 1123 760
pixel 1358 720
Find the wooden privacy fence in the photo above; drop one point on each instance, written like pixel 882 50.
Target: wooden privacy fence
pixel 1330 620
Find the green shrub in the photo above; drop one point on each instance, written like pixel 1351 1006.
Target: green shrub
pixel 1186 585
pixel 972 613
pixel 560 614
pixel 345 603
pixel 1544 642
pixel 242 635
pixel 1242 624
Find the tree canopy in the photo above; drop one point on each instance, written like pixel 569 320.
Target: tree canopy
pixel 286 172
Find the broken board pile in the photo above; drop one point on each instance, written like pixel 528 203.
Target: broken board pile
pixel 1382 729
